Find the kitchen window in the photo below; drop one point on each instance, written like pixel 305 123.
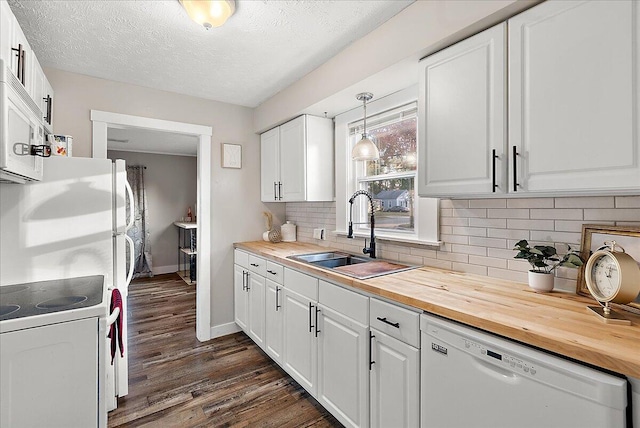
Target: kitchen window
pixel 400 214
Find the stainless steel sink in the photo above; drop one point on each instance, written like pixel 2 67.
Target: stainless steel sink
pixel 340 262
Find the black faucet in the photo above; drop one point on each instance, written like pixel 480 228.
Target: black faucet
pixel 371 250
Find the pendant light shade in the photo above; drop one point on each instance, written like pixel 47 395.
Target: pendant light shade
pixel 209 13
pixel 365 149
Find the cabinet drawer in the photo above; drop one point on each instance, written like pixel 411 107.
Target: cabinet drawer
pixel 241 258
pixel 395 321
pixel 275 272
pixel 301 283
pixel 257 265
pixel 346 302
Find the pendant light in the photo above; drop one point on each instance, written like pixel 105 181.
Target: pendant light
pixel 209 13
pixel 365 149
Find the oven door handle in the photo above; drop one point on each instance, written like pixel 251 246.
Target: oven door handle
pixel 113 316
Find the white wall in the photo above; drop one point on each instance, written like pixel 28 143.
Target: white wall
pixel 370 63
pixel 236 208
pixel 170 183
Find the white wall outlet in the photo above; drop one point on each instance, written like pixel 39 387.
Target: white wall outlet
pixel 319 233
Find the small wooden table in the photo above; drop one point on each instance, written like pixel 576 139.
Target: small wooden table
pixel 187 248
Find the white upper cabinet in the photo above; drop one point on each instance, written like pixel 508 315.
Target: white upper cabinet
pixel 573 96
pixel 297 161
pixel 270 165
pixel 462 124
pixel 6 33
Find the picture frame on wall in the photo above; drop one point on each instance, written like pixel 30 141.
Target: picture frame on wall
pixel 231 155
pixel 594 237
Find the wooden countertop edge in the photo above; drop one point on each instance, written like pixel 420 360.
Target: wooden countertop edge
pixel 535 333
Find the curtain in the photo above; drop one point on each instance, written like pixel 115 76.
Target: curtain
pixel 139 232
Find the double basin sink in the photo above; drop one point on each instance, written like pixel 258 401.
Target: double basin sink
pixel 359 267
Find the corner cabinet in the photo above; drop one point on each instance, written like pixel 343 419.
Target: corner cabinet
pixel 296 161
pixel 462 122
pixel 572 91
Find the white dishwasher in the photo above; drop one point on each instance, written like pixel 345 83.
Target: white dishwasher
pixel 470 378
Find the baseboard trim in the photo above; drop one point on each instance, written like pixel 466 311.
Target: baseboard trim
pixel 224 329
pixel 160 270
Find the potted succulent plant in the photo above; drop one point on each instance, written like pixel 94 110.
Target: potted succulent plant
pixel 544 259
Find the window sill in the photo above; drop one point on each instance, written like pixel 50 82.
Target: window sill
pixel 389 238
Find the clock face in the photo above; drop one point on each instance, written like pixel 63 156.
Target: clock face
pixel 605 276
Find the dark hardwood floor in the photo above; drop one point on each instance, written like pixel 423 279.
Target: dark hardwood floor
pixel 176 381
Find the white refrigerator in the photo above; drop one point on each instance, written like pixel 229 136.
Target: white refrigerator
pixel 72 223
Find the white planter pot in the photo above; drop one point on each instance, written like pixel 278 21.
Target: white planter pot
pixel 541 282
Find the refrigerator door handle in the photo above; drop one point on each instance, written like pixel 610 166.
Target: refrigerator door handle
pixel 131 260
pixel 131 207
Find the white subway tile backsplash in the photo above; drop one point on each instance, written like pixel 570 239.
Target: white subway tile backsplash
pixel 478 234
pixel 627 202
pixel 582 202
pixel 488 222
pixel 616 214
pixel 488 242
pixel 508 233
pixel 530 224
pixel 507 213
pixel 453 257
pixel 488 261
pixel 530 203
pixel 470 231
pixel 488 203
pixel 474 269
pixel 556 214
pixel 566 237
pixel 467 249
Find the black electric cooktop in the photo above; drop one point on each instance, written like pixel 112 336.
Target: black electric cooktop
pixel 44 297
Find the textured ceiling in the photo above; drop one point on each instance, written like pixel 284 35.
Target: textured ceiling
pixel 266 46
pixel 149 141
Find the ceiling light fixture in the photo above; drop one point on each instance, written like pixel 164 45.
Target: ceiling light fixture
pixel 209 13
pixel 365 149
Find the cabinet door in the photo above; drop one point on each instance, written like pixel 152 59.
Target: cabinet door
pixel 573 96
pixel 343 372
pixel 395 382
pixel 240 297
pixel 300 344
pixel 462 120
pixel 62 360
pixel 293 160
pixel 270 165
pixel 6 33
pixel 274 319
pixel 27 67
pixel 255 309
pixel 37 81
pixel 48 121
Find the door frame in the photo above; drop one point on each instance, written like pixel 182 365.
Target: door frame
pixel 101 120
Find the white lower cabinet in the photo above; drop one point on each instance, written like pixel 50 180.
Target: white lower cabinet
pixel 395 382
pixel 343 372
pixel 256 308
pixel 274 320
pixel 300 343
pixel 240 296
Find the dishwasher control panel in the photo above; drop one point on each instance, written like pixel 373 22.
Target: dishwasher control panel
pixel 514 363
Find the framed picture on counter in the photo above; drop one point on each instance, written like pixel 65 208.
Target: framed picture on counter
pixel 231 155
pixel 594 237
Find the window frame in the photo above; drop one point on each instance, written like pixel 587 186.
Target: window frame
pixel 426 212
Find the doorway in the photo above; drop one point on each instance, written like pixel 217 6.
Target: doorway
pixel 104 123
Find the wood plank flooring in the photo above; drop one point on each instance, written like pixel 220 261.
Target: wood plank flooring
pixel 176 381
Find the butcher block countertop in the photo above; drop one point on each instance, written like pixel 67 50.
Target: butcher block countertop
pixel 557 322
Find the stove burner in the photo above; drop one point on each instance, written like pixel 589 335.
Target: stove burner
pixel 8 309
pixel 61 302
pixel 13 288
